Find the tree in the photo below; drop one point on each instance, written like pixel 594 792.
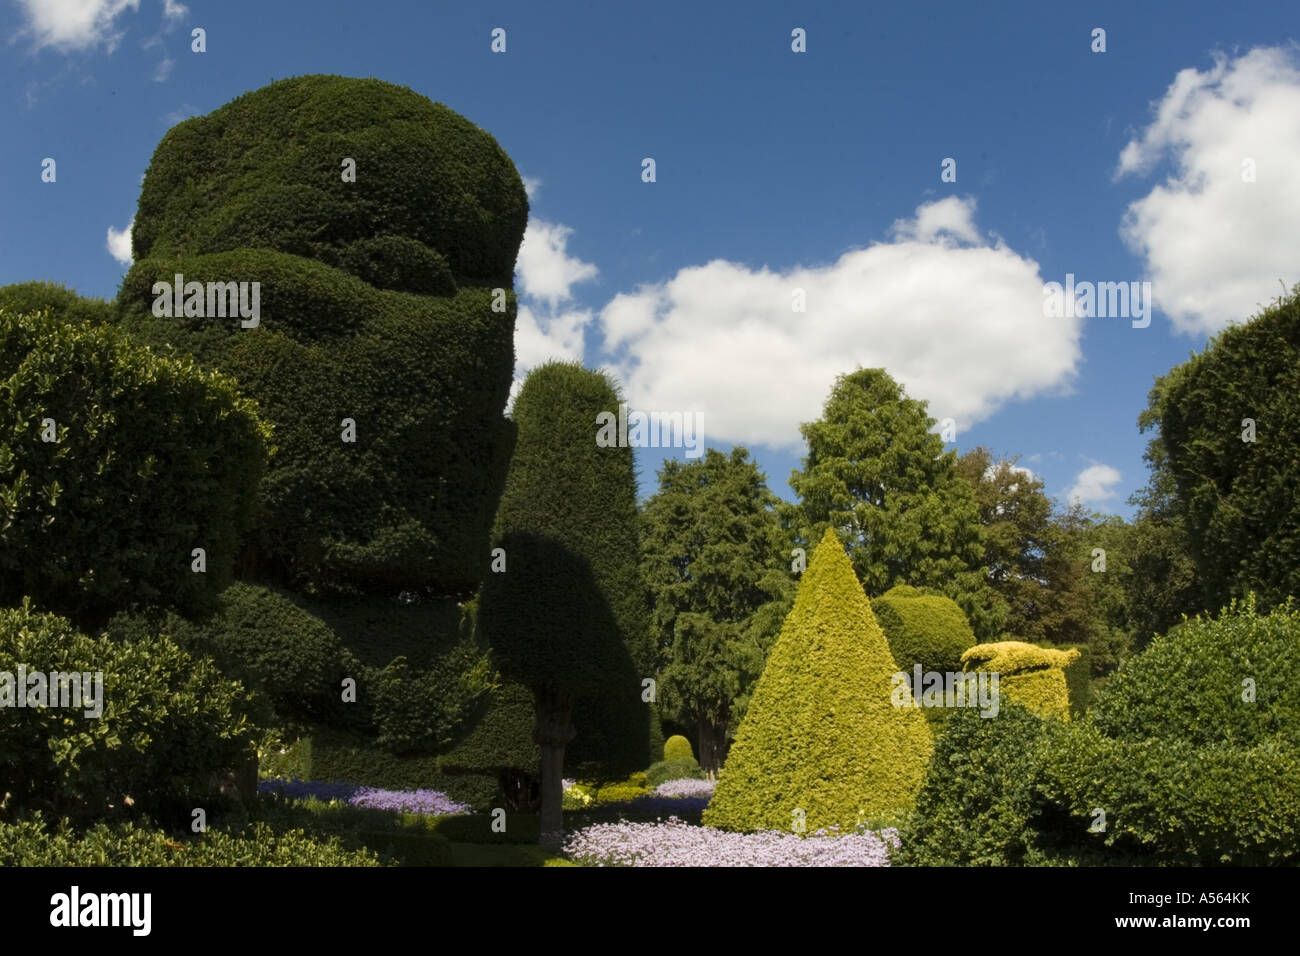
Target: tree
pixel 381 231
pixel 822 734
pixel 716 560
pixel 878 476
pixel 115 465
pixel 1225 462
pixel 568 616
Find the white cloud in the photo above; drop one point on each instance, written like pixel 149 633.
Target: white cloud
pixel 1094 485
pixel 119 243
pixel 75 24
pixel 1215 246
pixel 961 326
pixel 164 70
pixel 531 185
pixel 69 25
pixel 546 270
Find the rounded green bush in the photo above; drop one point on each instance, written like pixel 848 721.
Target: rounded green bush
pixel 1233 679
pixel 678 747
pixel 63 303
pixel 266 171
pixel 171 726
pixel 153 458
pixel 922 628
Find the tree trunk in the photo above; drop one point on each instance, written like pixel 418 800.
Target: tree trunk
pixel 553 731
pixel 713 745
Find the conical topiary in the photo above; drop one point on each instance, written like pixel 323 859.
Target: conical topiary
pixel 821 735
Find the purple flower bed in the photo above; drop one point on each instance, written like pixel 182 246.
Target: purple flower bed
pixel 409 801
pixel 674 843
pixel 686 788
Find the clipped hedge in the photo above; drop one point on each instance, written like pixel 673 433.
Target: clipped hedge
pixel 926 629
pixel 170 730
pixel 821 734
pixel 978 798
pixel 1029 675
pixel 33 843
pixel 153 459
pixel 63 303
pixel 422 172
pixel 678 747
pixel 1191 683
pixel 376 301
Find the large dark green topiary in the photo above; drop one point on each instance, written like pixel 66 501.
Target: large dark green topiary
pixel 377 304
pixel 821 734
pixel 568 616
pixel 153 458
pixel 926 629
pixel 265 171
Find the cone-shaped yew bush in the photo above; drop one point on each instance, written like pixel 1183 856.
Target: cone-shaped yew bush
pixel 821 734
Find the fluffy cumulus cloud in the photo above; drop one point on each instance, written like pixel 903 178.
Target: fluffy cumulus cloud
pixel 119 243
pixel 1214 245
pixel 81 24
pixel 1094 485
pixel 956 318
pixel 545 276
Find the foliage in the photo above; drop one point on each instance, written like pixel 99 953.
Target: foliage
pixel 33 843
pixel 679 769
pixel 170 725
pixel 568 617
pixel 977 802
pixel 1234 493
pixel 929 630
pixel 821 734
pixel 153 458
pixel 1031 676
pixel 879 477
pixel 63 303
pixel 716 561
pixel 420 360
pixel 678 747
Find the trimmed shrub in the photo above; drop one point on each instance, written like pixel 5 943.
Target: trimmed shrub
pixel 680 769
pixel 1079 680
pixel 926 629
pixel 33 843
pixel 153 459
pixel 1029 675
pixel 422 171
pixel 678 747
pixel 620 792
pixel 821 734
pixel 63 303
pixel 1173 802
pixel 978 799
pixel 1190 684
pixel 170 729
pixel 377 305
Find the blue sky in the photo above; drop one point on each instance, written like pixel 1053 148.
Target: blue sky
pixel 775 170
